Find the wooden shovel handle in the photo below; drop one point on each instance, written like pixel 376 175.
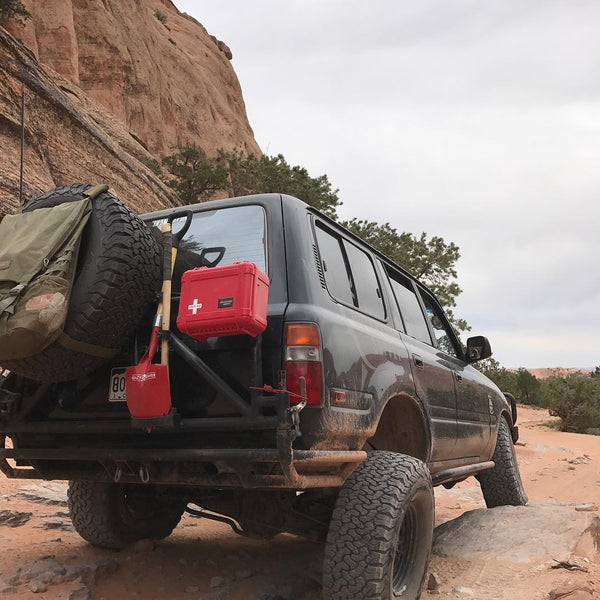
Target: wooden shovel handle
pixel 166 290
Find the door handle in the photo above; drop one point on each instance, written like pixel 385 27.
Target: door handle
pixel 418 361
pixel 457 376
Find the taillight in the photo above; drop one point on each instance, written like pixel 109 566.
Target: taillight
pixel 303 361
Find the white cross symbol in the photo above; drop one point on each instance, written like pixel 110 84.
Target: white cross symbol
pixel 195 306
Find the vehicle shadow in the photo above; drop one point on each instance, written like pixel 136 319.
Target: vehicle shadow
pixel 202 559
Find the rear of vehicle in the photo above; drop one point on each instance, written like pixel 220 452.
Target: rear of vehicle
pixel 267 431
pixel 234 425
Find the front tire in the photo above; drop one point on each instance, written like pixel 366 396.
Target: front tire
pixel 502 485
pixel 114 515
pixel 379 540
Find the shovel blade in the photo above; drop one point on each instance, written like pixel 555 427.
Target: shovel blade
pixel 147 390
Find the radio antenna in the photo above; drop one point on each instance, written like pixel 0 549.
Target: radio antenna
pixel 22 144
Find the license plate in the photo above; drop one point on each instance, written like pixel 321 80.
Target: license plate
pixel 117 385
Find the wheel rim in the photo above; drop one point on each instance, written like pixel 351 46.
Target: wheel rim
pixel 135 506
pixel 408 552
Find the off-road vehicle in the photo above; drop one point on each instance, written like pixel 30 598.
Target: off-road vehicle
pixel 334 423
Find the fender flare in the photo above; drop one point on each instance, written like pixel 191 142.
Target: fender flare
pixel 411 443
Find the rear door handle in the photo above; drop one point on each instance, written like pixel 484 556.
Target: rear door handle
pixel 418 361
pixel 457 376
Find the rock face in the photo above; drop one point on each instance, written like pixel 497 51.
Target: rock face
pixel 166 79
pixel 111 88
pixel 69 137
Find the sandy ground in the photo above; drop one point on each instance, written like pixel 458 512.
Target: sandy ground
pixel 206 560
pixel 544 456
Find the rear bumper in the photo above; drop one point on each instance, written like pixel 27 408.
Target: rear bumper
pixel 181 454
pixel 207 467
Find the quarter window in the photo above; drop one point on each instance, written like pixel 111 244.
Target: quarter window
pixel 365 281
pixel 349 273
pixel 334 267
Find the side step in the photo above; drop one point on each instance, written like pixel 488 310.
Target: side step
pixel 461 472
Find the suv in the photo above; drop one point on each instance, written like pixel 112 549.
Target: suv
pixel 334 423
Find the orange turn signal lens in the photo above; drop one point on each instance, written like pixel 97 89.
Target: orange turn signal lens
pixel 302 334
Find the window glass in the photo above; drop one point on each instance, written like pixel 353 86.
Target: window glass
pixel 366 285
pixel 410 309
pixel 334 266
pixel 238 231
pixel 441 329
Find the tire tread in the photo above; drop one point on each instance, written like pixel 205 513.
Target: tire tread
pixel 94 513
pixel 362 533
pixel 502 485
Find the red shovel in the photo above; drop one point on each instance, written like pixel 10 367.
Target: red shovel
pixel 147 384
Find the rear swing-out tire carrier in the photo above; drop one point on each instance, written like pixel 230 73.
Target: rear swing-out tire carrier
pixel 279 466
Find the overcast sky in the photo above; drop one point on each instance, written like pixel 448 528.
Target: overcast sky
pixel 476 121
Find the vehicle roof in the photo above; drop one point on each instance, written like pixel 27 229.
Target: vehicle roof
pixel 216 204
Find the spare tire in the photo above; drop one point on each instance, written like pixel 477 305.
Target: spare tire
pixel 118 275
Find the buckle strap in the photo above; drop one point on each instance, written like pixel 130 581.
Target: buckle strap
pixel 8 304
pixel 66 341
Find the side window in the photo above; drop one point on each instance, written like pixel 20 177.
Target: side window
pixel 349 273
pixel 410 308
pixel 441 329
pixel 334 266
pixel 365 281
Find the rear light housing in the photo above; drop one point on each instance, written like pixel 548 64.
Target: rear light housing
pixel 303 363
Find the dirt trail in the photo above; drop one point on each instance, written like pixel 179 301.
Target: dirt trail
pixel 204 560
pixel 556 467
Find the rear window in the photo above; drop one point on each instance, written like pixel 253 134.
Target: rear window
pixel 238 232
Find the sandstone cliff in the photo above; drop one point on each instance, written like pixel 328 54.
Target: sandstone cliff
pixel 109 88
pixel 69 137
pixel 171 83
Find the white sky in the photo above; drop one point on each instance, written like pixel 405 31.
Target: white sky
pixel 476 121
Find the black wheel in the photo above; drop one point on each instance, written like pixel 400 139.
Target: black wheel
pixel 380 535
pixel 114 515
pixel 118 275
pixel 502 485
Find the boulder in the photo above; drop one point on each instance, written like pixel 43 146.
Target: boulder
pixel 51 493
pixel 14 518
pixel 518 534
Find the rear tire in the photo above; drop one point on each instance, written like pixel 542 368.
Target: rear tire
pixel 114 515
pixel 502 485
pixel 379 540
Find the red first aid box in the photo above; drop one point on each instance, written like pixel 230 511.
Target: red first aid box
pixel 227 300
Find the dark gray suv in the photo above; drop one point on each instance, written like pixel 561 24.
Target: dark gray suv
pixel 335 423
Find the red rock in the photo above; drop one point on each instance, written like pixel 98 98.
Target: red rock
pixel 114 90
pixel 170 86
pixel 572 591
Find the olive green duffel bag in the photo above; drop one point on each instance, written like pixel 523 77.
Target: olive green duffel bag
pixel 38 258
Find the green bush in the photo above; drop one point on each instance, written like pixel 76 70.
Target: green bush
pixel 264 174
pixel 193 175
pixel 196 177
pixel 160 16
pixel 576 400
pixel 15 10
